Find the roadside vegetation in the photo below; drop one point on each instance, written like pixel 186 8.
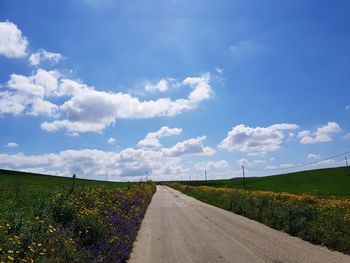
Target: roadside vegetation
pixel 321 182
pixel 320 220
pixel 50 219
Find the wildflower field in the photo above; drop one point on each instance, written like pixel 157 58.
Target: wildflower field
pixel 325 182
pixel 320 220
pixel 56 223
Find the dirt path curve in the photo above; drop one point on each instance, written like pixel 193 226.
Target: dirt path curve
pixel 178 228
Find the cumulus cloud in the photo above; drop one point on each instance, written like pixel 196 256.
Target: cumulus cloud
pixel 12 43
pixel 161 86
pixel 322 134
pixel 42 55
pixel 86 109
pixel 191 146
pixel 256 140
pixel 28 94
pixel 151 140
pixel 11 145
pixel 124 165
pixel 112 140
pixel 91 110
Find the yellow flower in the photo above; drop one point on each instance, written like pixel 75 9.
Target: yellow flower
pixel 10 258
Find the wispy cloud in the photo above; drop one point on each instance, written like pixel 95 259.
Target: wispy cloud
pixel 246 48
pixel 37 58
pixel 11 145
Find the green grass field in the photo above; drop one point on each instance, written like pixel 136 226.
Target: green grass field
pixel 330 181
pixel 44 219
pixel 31 180
pixel 20 193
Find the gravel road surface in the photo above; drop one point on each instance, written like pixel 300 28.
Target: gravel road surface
pixel 178 228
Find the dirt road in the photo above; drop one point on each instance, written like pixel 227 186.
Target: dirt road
pixel 178 228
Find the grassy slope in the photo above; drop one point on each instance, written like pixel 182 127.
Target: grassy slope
pixel 331 181
pixel 21 194
pixel 31 180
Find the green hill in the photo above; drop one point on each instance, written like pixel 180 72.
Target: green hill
pixel 330 181
pixel 32 180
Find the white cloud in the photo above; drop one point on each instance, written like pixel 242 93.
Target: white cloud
pixel 42 55
pixel 284 126
pixel 211 165
pixel 149 143
pixel 191 146
pixel 313 156
pixel 347 136
pixel 151 140
pixel 322 134
pixel 112 140
pixel 27 94
pixel 161 86
pixel 201 88
pixel 328 162
pixel 246 162
pixel 164 131
pixel 128 164
pixel 89 110
pixel 280 166
pixel 220 71
pixel 86 109
pixel 12 43
pixel 43 107
pixel 256 140
pixel 243 161
pixel 11 145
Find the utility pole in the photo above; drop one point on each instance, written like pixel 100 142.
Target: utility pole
pixel 243 177
pixel 146 176
pixel 205 173
pixel 73 185
pixel 347 165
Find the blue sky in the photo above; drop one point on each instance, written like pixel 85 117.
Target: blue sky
pixel 173 87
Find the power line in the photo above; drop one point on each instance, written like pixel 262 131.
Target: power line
pixel 299 165
pixel 277 168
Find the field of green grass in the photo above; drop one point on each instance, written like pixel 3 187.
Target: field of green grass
pixel 32 180
pixel 44 218
pixel 330 181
